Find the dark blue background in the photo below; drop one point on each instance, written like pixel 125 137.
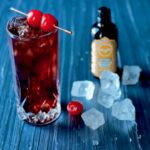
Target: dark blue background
pixel 133 20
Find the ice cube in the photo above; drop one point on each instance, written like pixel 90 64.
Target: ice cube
pixel 93 118
pixel 109 82
pixel 124 110
pixel 42 116
pixel 83 89
pixel 107 99
pixel 95 142
pixel 130 75
pixel 117 94
pixel 21 112
pixel 22 31
pixel 110 89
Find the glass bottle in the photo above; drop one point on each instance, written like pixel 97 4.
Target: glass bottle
pixel 104 44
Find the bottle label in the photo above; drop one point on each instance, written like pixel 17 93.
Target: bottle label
pixel 103 55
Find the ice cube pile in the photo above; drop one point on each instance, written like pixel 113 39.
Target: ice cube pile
pixel 122 110
pixel 110 89
pixel 19 27
pixel 109 96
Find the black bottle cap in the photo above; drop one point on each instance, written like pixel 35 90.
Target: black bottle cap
pixel 104 14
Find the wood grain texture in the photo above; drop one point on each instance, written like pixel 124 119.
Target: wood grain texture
pixel 133 21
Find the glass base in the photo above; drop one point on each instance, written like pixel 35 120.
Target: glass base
pixel 42 118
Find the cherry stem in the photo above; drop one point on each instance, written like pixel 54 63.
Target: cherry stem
pixel 20 12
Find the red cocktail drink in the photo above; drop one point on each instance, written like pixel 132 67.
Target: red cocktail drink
pixel 36 69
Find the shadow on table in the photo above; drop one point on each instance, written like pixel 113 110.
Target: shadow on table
pixel 142 118
pixel 65 122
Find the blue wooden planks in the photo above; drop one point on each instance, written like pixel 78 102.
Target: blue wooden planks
pixel 133 21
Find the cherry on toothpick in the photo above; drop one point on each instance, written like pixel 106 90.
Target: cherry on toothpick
pixel 47 22
pixel 34 18
pixel 75 108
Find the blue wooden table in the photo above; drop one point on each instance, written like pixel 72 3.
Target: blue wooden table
pixel 133 20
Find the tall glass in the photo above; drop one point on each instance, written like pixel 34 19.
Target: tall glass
pixel 35 65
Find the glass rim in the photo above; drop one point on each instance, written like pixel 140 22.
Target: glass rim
pixel 27 38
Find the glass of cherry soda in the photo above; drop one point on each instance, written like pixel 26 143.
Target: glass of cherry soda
pixel 34 55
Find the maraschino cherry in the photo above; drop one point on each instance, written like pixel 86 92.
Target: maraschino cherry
pixel 34 18
pixel 75 108
pixel 48 22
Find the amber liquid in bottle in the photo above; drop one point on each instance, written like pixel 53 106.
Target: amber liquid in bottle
pixel 104 44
